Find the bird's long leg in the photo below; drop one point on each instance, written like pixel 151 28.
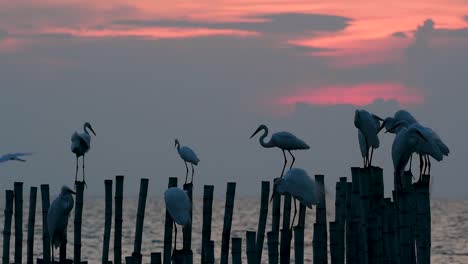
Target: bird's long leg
pixel 294 216
pixel 175 238
pixel 84 180
pixel 285 161
pixel 52 253
pixel 294 159
pixel 428 165
pixel 425 164
pixel 76 173
pixel 410 161
pixel 186 172
pixel 421 163
pixel 371 156
pixel 193 171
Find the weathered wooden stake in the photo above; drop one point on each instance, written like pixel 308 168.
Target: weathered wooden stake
pixel 31 222
pixel 210 259
pixel 351 225
pixel 340 220
pixel 251 248
pixel 275 227
pixel 140 219
pixel 236 250
pixel 45 233
pixel 18 187
pixel 156 258
pixel 107 221
pixel 228 209
pixel 285 243
pixel 319 242
pixel 423 230
pixel 119 182
pixel 262 218
pixel 63 248
pixel 167 253
pixel 7 226
pixel 333 242
pixel 207 212
pixel 78 215
pixel 299 236
pixel 272 247
pixel 187 230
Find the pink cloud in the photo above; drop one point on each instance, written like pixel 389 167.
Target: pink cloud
pixel 359 95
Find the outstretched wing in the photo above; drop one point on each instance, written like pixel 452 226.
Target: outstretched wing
pixel 14 156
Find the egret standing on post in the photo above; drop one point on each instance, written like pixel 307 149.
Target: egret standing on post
pixel 57 217
pixel 178 205
pixel 81 143
pixel 283 141
pixel 14 156
pixel 188 155
pixel 368 127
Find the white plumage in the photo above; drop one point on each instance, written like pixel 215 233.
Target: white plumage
pixel 187 155
pixel 400 115
pixel 57 217
pixel 368 127
pixel 178 205
pixel 283 141
pixel 14 156
pixel 80 145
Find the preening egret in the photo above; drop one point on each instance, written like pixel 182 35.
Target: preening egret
pixel 178 205
pixel 300 186
pixel 80 145
pixel 14 156
pixel 283 141
pixel 188 155
pixel 57 217
pixel 368 127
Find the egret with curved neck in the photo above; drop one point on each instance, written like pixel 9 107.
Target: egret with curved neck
pixel 187 155
pixel 80 145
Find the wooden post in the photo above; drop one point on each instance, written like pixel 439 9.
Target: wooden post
pixel 236 250
pixel 228 209
pixel 351 225
pixel 285 242
pixel 31 222
pixel 209 257
pixel 375 214
pixel 364 191
pixel 155 258
pixel 129 260
pixel 18 187
pixel 423 210
pixel 299 236
pixel 119 182
pixel 333 242
pixel 272 247
pixel 207 212
pixel 340 220
pixel 187 230
pixel 7 226
pixel 168 229
pixel 107 221
pixel 251 247
pixel 275 227
pixel 140 219
pixel 262 218
pixel 319 242
pixel 78 215
pixel 63 248
pixel 389 232
pixel 45 232
pixel 404 218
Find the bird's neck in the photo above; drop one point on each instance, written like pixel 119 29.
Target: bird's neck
pixel 264 144
pixel 85 129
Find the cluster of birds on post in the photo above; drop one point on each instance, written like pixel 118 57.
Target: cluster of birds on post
pixel 410 137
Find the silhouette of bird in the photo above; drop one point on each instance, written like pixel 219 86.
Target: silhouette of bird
pixel 300 186
pixel 57 217
pixel 187 155
pixel 400 115
pixel 178 205
pixel 80 145
pixel 14 156
pixel 368 127
pixel 283 141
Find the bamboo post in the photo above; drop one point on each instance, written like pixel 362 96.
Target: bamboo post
pixel 364 191
pixel 405 219
pixel 18 188
pixel 156 258
pixel 119 182
pixel 333 242
pixel 340 219
pixel 45 232
pixel 272 247
pixel 359 211
pixel 396 225
pixel 285 242
pixel 210 252
pixel 168 228
pixel 351 225
pixel 9 195
pixel 78 215
pixel 63 248
pixel 228 209
pixel 31 222
pixel 299 236
pixel 424 220
pixel 251 247
pixel 140 219
pixel 262 219
pixel 129 260
pixel 389 232
pixel 236 250
pixel 377 206
pixel 107 221
pixel 275 226
pixel 207 215
pixel 187 230
pixel 319 241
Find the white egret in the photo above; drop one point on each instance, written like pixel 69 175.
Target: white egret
pixel 283 141
pixel 178 205
pixel 80 145
pixel 188 155
pixel 368 127
pixel 57 217
pixel 14 156
pixel 300 186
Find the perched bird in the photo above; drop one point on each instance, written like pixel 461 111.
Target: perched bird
pixel 179 207
pixel 188 155
pixel 300 186
pixel 14 156
pixel 283 141
pixel 368 127
pixel 80 145
pixel 57 217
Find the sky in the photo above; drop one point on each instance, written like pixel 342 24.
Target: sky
pixel 208 73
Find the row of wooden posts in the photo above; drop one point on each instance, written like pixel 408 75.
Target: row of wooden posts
pixel 368 228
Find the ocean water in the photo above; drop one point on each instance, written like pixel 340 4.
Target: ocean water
pixel 449 228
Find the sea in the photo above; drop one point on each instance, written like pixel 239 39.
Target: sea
pixel 449 228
